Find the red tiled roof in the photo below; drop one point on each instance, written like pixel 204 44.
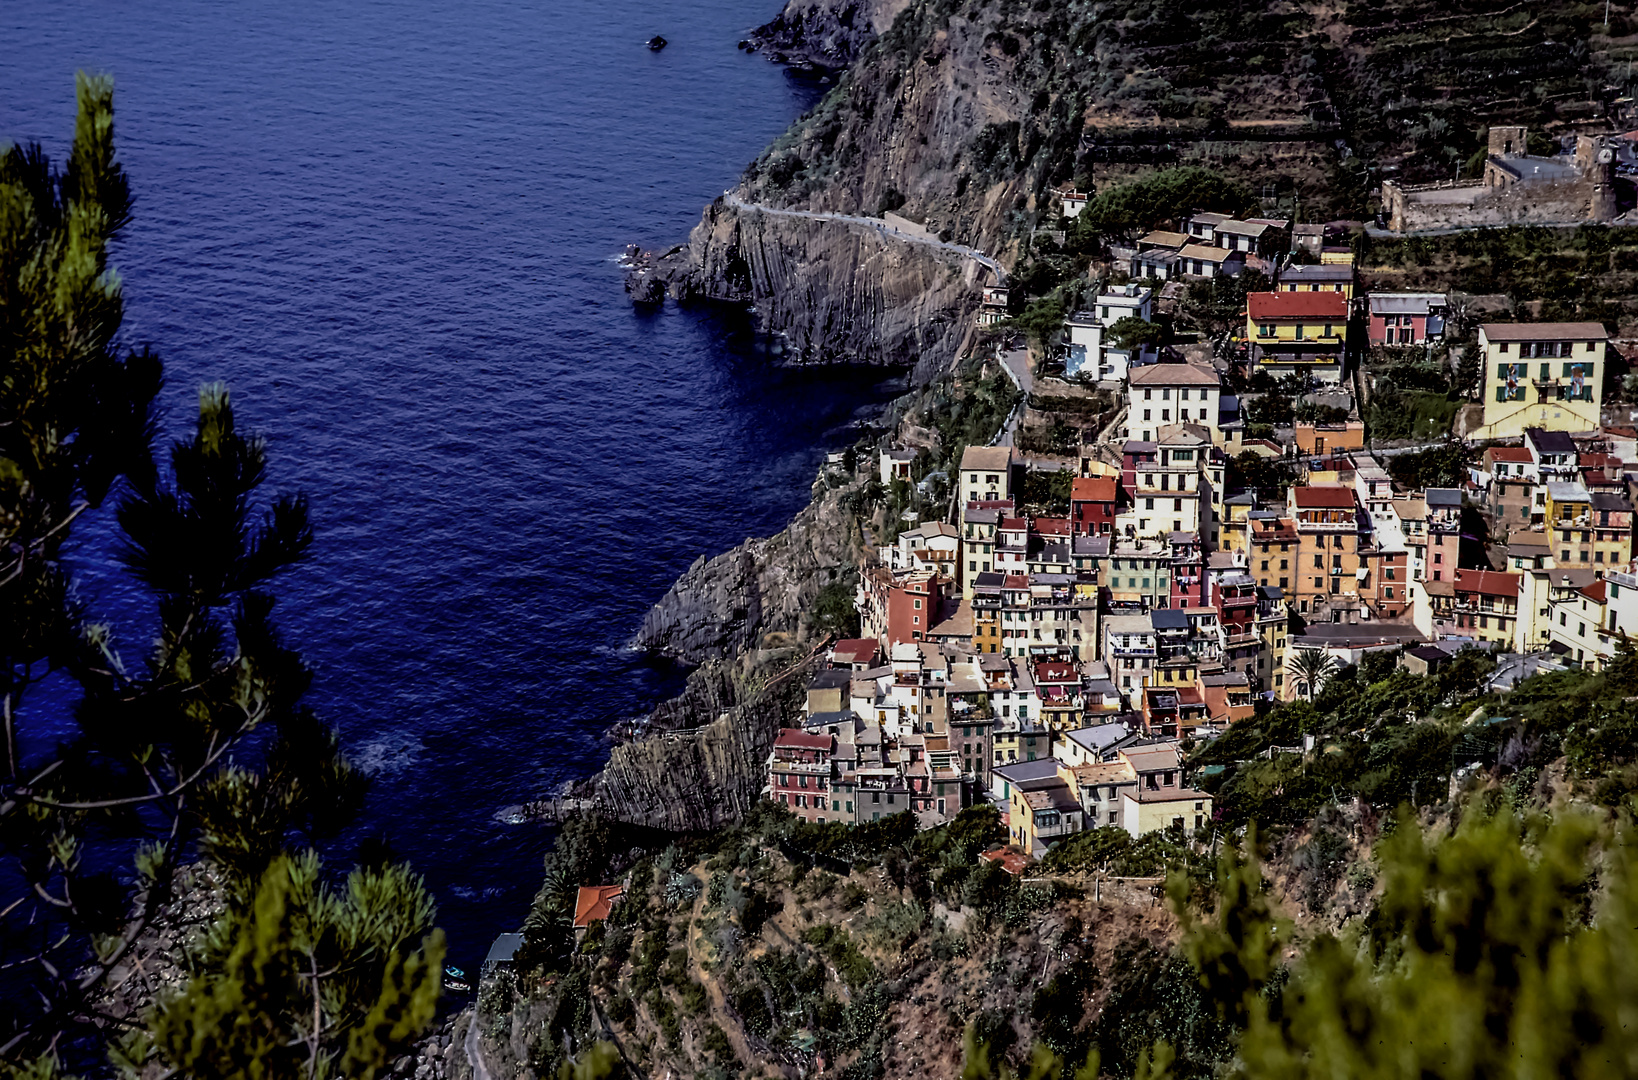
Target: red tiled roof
pixel 1298 305
pixel 1015 581
pixel 1487 582
pixel 1009 859
pixel 1595 591
pixel 1093 489
pixel 1014 524
pixel 593 902
pixel 856 650
pixel 798 738
pixel 1508 453
pixel 1052 526
pixel 1323 497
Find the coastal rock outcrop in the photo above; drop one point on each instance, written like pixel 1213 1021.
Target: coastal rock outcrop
pixel 727 606
pixel 826 33
pixel 703 777
pixel 838 291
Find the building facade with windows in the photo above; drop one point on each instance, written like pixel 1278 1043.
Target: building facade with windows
pixel 1541 375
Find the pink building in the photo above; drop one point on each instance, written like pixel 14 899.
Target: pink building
pixel 1406 318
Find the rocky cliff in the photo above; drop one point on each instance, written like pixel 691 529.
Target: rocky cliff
pixel 756 595
pixel 704 777
pixel 826 33
pixel 744 618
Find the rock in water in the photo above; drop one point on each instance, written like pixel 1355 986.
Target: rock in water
pixel 657 43
pixel 645 288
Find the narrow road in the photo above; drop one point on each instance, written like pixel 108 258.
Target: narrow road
pixel 882 228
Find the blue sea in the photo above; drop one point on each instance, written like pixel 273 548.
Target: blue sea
pixel 391 228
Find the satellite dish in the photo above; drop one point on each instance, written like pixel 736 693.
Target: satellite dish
pixel 1605 156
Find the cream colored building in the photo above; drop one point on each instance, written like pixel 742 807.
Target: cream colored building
pixel 1543 375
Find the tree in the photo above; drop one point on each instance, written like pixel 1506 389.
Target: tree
pixel 1499 951
pixel 1131 332
pixel 1311 669
pixel 204 750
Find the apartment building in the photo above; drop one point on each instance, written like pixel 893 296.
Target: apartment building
pixel 1543 375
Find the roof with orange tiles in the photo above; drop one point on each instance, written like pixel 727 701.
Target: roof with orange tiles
pixel 799 739
pixel 1094 489
pixel 1508 453
pixel 1009 859
pixel 593 903
pixel 1323 497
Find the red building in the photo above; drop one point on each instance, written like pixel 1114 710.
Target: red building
pixel 913 607
pixel 1406 318
pixel 1134 455
pixel 1092 505
pixel 799 775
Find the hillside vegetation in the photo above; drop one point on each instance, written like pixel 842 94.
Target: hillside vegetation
pixel 966 111
pixel 774 946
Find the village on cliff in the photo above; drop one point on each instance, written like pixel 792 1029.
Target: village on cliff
pixel 1061 665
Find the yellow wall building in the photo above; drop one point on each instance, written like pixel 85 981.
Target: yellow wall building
pixel 1545 375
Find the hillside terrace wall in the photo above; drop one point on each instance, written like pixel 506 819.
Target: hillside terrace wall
pixel 1472 205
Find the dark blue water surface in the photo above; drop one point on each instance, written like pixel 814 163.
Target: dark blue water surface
pixel 390 227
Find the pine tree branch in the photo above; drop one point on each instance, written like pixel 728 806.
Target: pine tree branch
pixel 214 754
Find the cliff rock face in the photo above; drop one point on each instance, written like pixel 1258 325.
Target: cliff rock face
pixel 705 777
pixel 707 759
pixel 724 607
pixel 839 291
pixel 829 33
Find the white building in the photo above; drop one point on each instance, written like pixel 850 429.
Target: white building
pixel 1164 394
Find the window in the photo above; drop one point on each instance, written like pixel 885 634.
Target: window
pixel 1265 330
pixel 1299 332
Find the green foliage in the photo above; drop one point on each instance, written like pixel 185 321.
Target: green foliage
pixel 1132 332
pixel 1410 414
pixel 1439 466
pixel 301 981
pixel 204 748
pixel 833 608
pixel 1047 492
pixel 1161 198
pixel 1310 670
pixel 1251 471
pixel 1488 956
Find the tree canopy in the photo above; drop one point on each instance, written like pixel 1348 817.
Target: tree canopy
pixel 196 748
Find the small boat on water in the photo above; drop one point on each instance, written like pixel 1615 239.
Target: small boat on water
pixel 454 972
pixel 656 43
pixel 457 985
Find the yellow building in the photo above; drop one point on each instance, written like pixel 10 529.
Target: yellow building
pixel 1587 528
pixel 1291 332
pixel 1324 277
pixel 1544 375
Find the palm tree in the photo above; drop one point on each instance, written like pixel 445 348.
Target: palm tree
pixel 1311 669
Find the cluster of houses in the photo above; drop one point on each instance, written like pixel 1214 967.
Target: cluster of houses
pixel 1052 663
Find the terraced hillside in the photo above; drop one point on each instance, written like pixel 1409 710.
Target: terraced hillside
pixel 964 112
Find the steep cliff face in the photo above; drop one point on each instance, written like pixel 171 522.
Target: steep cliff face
pixel 727 606
pixel 839 291
pixel 703 777
pixel 741 617
pixel 829 33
